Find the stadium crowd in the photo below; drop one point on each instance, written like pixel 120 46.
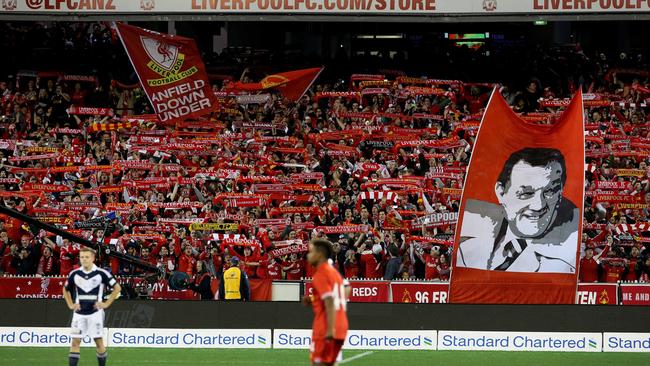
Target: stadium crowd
pixel 375 163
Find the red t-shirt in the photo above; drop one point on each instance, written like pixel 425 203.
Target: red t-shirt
pixel 13 228
pixel 370 265
pixel 261 269
pixel 309 270
pixel 269 269
pixel 187 263
pixel 68 258
pixel 351 270
pixel 613 273
pixel 295 271
pixel 431 264
pixel 328 283
pixel 588 270
pixel 250 270
pixel 443 267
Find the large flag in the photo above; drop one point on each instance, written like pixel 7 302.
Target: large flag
pixel 171 72
pixel 520 218
pixel 291 84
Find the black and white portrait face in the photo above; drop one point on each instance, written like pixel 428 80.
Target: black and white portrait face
pixel 532 227
pixel 530 199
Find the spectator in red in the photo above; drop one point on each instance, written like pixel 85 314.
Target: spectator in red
pixel 145 255
pixel 48 265
pixel 186 262
pixel 294 269
pixel 12 225
pixel 588 266
pixel 250 261
pixel 351 265
pixel 634 264
pixel 269 267
pixel 68 255
pixel 431 261
pixel 78 95
pixel 613 268
pixel 444 270
pixel 369 265
pixel 309 270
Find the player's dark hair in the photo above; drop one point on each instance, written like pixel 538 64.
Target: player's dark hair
pixel 324 246
pixel 537 157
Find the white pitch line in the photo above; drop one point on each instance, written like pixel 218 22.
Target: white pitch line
pixel 355 357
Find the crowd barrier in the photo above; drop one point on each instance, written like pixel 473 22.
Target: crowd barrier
pixel 363 290
pixel 31 287
pixel 438 292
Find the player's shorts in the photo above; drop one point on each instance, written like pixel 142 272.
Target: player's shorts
pixel 88 325
pixel 325 350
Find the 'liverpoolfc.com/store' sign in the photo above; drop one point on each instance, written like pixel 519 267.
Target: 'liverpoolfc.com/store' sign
pixel 352 7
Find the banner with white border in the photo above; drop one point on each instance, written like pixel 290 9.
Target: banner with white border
pixel 520 341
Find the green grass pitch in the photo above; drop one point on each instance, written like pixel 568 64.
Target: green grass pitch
pixel 26 356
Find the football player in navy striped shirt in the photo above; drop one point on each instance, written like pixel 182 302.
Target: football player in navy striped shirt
pixel 88 284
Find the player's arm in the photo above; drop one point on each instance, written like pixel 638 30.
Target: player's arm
pixel 330 313
pixel 68 299
pixel 112 297
pixel 348 290
pixel 306 300
pixel 109 280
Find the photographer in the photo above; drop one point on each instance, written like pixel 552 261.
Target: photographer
pixel 202 281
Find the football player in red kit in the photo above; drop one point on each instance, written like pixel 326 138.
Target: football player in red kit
pixel 329 300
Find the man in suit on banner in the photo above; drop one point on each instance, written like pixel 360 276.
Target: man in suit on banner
pixel 534 228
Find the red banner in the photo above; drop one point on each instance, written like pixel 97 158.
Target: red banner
pixel 420 292
pixel 74 110
pixel 520 219
pixel 300 248
pixel 635 294
pixel 597 294
pixel 171 72
pixel 604 184
pixel 363 291
pixel 52 288
pixel 292 84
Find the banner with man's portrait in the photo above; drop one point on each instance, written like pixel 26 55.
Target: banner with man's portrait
pixel 520 219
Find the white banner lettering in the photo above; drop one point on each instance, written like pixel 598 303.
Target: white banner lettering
pixel 320 7
pixel 190 338
pixel 519 341
pixel 41 337
pixel 626 342
pixel 361 339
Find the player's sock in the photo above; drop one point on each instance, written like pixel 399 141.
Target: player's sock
pixel 101 358
pixel 73 357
